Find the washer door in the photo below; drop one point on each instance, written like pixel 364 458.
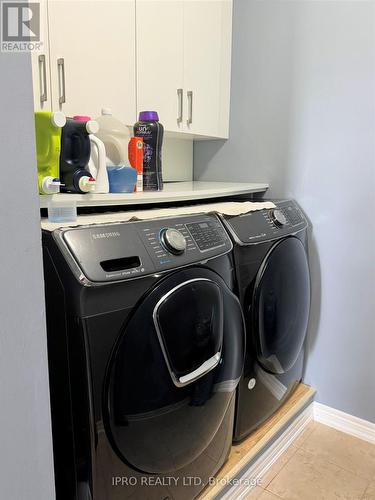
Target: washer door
pixel 281 305
pixel 174 371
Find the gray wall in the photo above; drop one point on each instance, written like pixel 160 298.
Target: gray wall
pixel 302 118
pixel 26 464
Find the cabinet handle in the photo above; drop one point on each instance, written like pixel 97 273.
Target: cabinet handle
pixel 43 78
pixel 61 71
pixel 189 121
pixel 180 105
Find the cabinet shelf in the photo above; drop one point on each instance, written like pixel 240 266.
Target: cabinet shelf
pixel 172 192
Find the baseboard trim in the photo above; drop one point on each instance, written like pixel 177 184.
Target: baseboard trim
pixel 344 422
pixel 252 474
pixel 248 477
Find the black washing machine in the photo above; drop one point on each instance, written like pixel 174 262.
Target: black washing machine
pixel 146 348
pixel 273 279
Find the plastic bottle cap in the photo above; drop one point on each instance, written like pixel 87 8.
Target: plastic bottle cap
pixel 81 118
pixel 107 111
pixel 148 116
pixel 92 127
pixel 51 185
pixel 87 184
pixel 58 119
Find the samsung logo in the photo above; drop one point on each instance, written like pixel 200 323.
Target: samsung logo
pixel 101 236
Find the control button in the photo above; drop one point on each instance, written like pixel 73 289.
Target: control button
pixel 251 384
pixel 207 235
pixel 278 218
pixel 173 241
pixel 293 216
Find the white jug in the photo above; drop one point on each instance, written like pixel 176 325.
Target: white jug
pixel 97 165
pixel 115 136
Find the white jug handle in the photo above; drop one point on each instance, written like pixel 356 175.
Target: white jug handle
pixel 98 163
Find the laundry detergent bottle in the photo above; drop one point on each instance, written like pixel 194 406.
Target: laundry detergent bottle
pixel 115 136
pixel 97 164
pixel 48 146
pixel 151 130
pixel 75 156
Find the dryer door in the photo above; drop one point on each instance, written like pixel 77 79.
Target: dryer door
pixel 174 371
pixel 280 306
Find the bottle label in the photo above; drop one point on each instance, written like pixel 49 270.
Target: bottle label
pixel 144 130
pixel 139 183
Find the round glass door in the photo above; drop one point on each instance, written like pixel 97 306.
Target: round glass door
pixel 281 305
pixel 168 383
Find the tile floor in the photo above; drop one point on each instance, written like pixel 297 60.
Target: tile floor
pixel 322 464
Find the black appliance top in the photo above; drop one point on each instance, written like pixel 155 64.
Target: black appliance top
pixel 267 224
pixel 129 250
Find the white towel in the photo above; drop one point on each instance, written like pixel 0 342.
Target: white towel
pixel 225 208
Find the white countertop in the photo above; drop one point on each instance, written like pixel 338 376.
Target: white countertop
pixel 173 191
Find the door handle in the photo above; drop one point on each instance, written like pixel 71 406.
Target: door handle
pixel 180 105
pixel 189 121
pixel 61 72
pixel 204 368
pixel 43 78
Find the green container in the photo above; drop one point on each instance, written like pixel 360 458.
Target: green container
pixel 48 145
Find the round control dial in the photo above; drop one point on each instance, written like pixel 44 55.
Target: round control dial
pixel 173 241
pixel 278 218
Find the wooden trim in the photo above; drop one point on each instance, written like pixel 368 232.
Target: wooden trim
pixel 257 470
pixel 245 452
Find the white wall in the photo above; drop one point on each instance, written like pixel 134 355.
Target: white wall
pixel 26 464
pixel 302 118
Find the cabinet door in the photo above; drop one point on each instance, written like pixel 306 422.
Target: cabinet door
pixel 93 45
pixel 41 66
pixel 160 60
pixel 207 42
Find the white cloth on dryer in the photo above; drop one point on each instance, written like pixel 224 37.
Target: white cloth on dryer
pixel 225 208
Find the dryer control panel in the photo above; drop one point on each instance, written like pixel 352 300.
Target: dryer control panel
pixel 127 250
pixel 268 224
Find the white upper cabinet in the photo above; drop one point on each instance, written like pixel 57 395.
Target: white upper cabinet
pixel 202 64
pixel 160 60
pixel 92 49
pixel 184 48
pixel 170 56
pixel 40 65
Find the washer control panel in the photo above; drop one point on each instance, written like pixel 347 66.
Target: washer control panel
pixel 184 240
pixel 114 252
pixel 207 234
pixel 263 225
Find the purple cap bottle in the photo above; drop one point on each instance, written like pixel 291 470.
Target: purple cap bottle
pixel 151 130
